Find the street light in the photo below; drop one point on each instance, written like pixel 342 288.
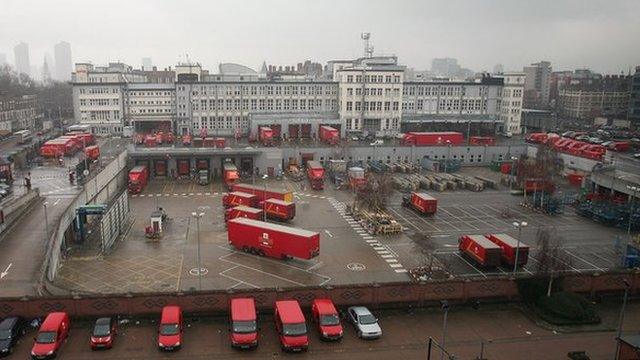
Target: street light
pixel 621 318
pixel 445 306
pixel 197 216
pixel 633 198
pixel 265 177
pixel 46 223
pixel 519 226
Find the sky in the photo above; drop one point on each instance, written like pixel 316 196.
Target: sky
pixel 600 35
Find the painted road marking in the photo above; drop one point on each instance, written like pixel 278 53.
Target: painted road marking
pixel 391 260
pixel 328 233
pixel 383 252
pixel 395 265
pixel 371 241
pixel 401 270
pixel 378 247
pixel 6 271
pixel 386 256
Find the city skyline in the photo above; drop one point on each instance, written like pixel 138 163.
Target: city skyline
pixel 502 33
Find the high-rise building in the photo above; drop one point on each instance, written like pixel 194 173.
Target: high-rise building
pixel 21 53
pixel 147 64
pixel 64 66
pixel 634 102
pixel 537 85
pixel 3 59
pixel 498 69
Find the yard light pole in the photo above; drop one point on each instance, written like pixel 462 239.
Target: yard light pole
pixel 633 199
pixel 445 306
pixel 46 223
pixel 265 177
pixel 519 226
pixel 197 216
pixel 621 318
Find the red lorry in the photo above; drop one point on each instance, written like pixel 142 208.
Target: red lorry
pixel 421 202
pixel 509 246
pixel 58 147
pixel 329 135
pixel 230 175
pixel 481 250
pixel 279 209
pixel 266 136
pixel 432 138
pixel 262 193
pixel 536 138
pixel 273 240
pixel 243 211
pixel 315 173
pixel 482 140
pixel 138 177
pixel 92 152
pixel 85 138
pixel 239 198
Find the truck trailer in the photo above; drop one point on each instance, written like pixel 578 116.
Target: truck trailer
pixel 236 198
pixel 264 194
pixel 481 250
pixel 421 202
pixel 315 173
pixel 138 177
pixel 329 135
pixel 279 209
pixel 272 240
pixel 230 174
pixel 243 211
pixel 509 246
pixel 432 138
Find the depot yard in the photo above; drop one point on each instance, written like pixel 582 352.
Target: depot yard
pixel 348 254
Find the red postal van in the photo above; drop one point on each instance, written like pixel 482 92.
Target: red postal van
pixel 170 329
pixel 291 326
pixel 244 327
pixel 326 318
pixel 53 332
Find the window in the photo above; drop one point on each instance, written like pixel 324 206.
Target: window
pixel 350 92
pixel 349 106
pixel 395 106
pixel 387 105
pixel 349 78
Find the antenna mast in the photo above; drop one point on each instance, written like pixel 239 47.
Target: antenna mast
pixel 368 50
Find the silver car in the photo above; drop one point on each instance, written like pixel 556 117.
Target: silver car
pixel 365 323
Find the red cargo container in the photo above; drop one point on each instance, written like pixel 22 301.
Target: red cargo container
pixel 575 179
pixel 433 138
pixel 221 143
pixel 620 146
pixel 536 138
pixel 266 136
pixel 58 147
pixel 482 140
pixel 138 177
pixel 509 246
pixel 422 203
pixel 84 137
pixel 243 211
pixel 187 139
pixel 239 198
pixel 231 175
pixel 480 249
pixel 262 195
pixel 92 152
pixel 150 141
pixel 329 135
pixel 315 173
pixel 273 240
pixel 77 140
pixel 279 209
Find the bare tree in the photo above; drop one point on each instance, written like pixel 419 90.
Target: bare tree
pixel 374 195
pixel 551 258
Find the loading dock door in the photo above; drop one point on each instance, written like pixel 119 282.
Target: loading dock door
pixel 160 167
pixel 183 167
pixel 294 130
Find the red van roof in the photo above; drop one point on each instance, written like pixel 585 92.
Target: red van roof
pixel 170 314
pixel 325 306
pixel 52 321
pixel 243 309
pixel 290 312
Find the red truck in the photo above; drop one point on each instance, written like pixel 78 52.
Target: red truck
pixel 482 140
pixel 481 250
pixel 279 209
pixel 264 194
pixel 230 174
pixel 92 152
pixel 509 246
pixel 272 240
pixel 329 135
pixel 85 138
pixel 138 177
pixel 315 173
pixel 58 147
pixel 421 202
pixel 236 198
pixel 243 211
pixel 432 138
pixel 266 136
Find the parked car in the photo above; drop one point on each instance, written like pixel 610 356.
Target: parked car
pixel 595 140
pixel 170 329
pixel 569 134
pixel 326 318
pixel 365 322
pixel 103 334
pixel 52 334
pixel 583 138
pixel 11 330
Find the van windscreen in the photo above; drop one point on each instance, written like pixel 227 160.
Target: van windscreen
pixel 329 320
pixel 169 329
pixel 294 329
pixel 244 327
pixel 46 337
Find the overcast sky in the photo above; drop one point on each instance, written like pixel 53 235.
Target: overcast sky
pixel 601 35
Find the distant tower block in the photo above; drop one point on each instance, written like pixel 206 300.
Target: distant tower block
pixel 368 50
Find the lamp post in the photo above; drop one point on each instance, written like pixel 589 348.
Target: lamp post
pixel 265 177
pixel 445 306
pixel 633 199
pixel 518 225
pixel 197 216
pixel 621 318
pixel 46 223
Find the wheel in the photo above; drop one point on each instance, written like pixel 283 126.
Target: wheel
pixel 245 249
pixel 359 334
pixel 253 251
pixel 261 252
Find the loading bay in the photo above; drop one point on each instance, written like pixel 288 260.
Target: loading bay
pixel 348 253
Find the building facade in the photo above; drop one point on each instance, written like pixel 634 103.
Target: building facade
pixel 608 97
pixel 511 101
pixel 634 100
pixel 64 65
pixel 537 88
pixel 22 62
pixel 20 113
pixel 367 95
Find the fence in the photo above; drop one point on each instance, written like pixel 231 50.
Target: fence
pixel 113 222
pixel 374 295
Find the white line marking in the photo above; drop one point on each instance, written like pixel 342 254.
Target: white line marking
pixel 328 233
pixel 387 256
pixel 401 270
pixel 468 263
pixel 6 271
pixel 391 260
pixel 240 281
pixel 395 265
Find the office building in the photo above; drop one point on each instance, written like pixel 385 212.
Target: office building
pixel 63 65
pixel 608 97
pixel 22 63
pixel 537 85
pixel 147 64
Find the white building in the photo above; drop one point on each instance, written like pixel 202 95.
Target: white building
pixel 511 101
pixel 63 65
pixel 150 106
